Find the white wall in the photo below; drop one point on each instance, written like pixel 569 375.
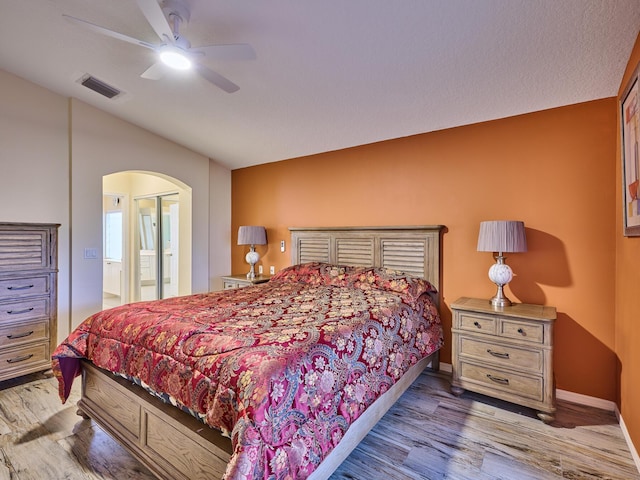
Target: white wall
pixel 34 168
pixel 102 144
pixel 219 224
pixel 54 152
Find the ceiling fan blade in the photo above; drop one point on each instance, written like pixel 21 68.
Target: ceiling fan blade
pixel 154 72
pixel 107 32
pixel 234 51
pixel 217 79
pixel 155 16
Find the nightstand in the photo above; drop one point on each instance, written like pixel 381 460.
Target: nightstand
pixel 506 353
pixel 239 281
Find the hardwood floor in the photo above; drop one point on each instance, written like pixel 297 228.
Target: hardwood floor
pixel 428 434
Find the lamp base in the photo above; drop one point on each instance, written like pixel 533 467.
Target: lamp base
pixel 500 302
pixel 500 273
pixel 252 258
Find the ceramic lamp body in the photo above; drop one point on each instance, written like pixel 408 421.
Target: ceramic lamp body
pixel 252 258
pixel 500 273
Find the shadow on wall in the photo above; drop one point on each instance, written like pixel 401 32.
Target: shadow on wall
pixel 580 357
pixel 544 263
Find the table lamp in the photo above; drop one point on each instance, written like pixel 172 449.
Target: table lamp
pixel 501 236
pixel 252 235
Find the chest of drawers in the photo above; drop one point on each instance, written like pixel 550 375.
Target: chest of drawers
pixel 28 297
pixel 505 353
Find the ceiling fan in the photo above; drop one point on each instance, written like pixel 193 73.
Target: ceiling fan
pixel 175 51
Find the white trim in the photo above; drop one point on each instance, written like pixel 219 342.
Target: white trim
pixel 627 437
pixel 446 368
pixel 604 405
pixel 586 400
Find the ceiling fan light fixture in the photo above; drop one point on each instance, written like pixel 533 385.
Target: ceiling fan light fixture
pixel 175 59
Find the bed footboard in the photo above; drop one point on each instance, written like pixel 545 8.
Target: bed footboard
pixel 169 442
pixel 174 445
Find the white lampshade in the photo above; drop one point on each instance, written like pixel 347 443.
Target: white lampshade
pixel 252 235
pixel 501 236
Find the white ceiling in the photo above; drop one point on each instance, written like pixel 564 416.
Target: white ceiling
pixel 329 74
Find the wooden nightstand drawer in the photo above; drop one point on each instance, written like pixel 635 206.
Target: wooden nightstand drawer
pixel 527 331
pixel 478 323
pixel 502 355
pixel 514 383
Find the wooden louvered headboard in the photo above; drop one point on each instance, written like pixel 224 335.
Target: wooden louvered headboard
pixel 413 250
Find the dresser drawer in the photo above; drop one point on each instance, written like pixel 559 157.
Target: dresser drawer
pixel 477 323
pixel 25 358
pixel 522 330
pixel 24 248
pixel 18 334
pixel 523 359
pixel 24 310
pixel 499 380
pixel 18 287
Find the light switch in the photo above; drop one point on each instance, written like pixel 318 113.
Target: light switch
pixel 282 245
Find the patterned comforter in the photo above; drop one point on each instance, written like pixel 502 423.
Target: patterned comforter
pixel 283 368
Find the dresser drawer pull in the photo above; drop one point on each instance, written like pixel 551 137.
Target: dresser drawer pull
pixel 522 332
pixel 477 324
pixel 20 359
pixel 501 381
pixel 497 354
pixel 18 312
pixel 22 335
pixel 23 287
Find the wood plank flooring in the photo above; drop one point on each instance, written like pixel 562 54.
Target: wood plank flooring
pixel 429 434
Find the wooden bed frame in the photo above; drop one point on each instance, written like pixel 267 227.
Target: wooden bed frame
pixel 174 445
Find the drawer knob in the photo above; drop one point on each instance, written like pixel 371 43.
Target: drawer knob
pixel 20 359
pixel 22 287
pixel 477 324
pixel 22 335
pixel 497 354
pixel 521 331
pixel 500 380
pixel 18 312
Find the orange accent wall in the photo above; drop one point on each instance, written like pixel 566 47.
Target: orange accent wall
pixel 555 170
pixel 627 301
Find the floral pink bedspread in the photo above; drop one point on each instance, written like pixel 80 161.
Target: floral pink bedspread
pixel 283 368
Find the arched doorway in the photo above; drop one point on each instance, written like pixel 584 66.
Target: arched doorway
pixel 146 237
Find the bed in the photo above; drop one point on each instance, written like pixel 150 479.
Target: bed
pixel 278 380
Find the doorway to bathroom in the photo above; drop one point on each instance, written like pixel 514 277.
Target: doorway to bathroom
pixel 146 237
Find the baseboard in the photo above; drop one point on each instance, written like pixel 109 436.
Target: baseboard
pixel 586 400
pixel 627 437
pixel 445 367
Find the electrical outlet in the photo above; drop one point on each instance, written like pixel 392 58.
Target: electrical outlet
pixel 272 270
pixel 282 245
pixel 259 269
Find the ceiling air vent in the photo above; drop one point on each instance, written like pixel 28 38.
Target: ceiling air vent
pixel 99 86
